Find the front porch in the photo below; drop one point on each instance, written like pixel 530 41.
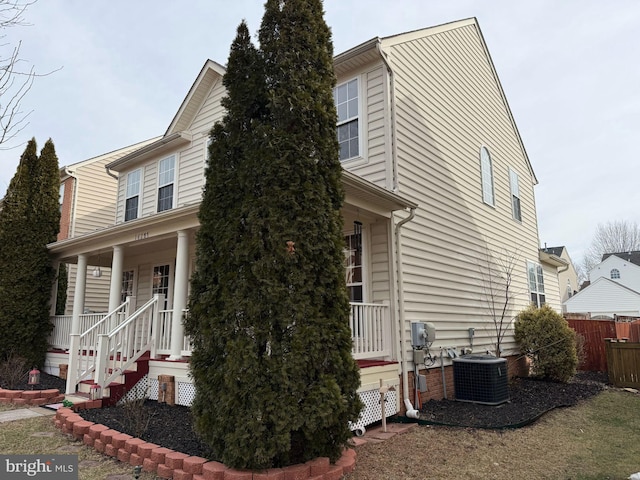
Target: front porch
pixel 110 340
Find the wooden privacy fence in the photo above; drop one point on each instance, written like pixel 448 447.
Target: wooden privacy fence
pixel 594 332
pixel 624 363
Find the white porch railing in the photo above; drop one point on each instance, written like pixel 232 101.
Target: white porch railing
pixel 59 336
pixel 83 346
pixel 370 330
pixel 370 325
pixel 122 346
pixel 163 339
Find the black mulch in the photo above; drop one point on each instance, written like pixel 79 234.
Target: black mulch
pixel 529 399
pixel 47 382
pixel 171 427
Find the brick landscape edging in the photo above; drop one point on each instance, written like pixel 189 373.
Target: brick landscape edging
pixel 34 398
pixel 174 465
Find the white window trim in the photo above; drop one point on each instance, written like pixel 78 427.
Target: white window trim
pixel 515 192
pixel 611 273
pixel 538 270
pixel 360 157
pixel 175 181
pixel 483 148
pixel 139 195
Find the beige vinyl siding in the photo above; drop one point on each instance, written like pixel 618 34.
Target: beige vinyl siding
pixel 190 162
pixel 96 298
pixel 374 127
pixel 380 261
pixel 448 104
pixel 193 159
pixel 551 286
pixel 149 187
pixel 96 197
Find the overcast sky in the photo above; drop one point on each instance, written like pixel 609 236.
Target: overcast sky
pixel 570 70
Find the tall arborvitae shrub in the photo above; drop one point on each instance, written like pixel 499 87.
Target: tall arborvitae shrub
pixel 29 220
pixel 63 283
pixel 546 338
pixel 275 379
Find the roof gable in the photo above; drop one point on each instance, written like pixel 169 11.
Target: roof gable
pixel 602 288
pixel 633 256
pixel 388 42
pixel 612 261
pixel 210 73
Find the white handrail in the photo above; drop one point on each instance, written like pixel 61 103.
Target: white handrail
pixel 122 346
pixel 83 347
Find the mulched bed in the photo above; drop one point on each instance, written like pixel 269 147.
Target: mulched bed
pixel 529 399
pixel 171 427
pixel 47 382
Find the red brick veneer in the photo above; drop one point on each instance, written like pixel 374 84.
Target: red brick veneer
pixel 169 464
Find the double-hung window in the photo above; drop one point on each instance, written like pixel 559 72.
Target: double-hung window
pixel 166 175
pixel 486 169
pixel 346 99
pixel 515 195
pixel 132 201
pixel 536 283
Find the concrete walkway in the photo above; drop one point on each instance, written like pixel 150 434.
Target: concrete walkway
pixel 22 413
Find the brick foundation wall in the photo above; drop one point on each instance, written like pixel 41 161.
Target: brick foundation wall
pixel 517 366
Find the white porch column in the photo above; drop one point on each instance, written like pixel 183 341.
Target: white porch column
pixel 180 295
pixel 78 299
pixel 115 288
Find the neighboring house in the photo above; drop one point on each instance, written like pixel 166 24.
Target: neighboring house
pixel 567 275
pixel 87 204
pixel 436 180
pixel 614 288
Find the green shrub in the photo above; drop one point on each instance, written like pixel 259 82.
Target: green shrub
pixel 545 337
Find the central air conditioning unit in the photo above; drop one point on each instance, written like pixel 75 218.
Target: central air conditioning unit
pixel 481 379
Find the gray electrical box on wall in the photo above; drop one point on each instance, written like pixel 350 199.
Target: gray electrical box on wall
pixel 422 333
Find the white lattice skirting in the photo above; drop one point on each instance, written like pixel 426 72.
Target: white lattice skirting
pixel 372 412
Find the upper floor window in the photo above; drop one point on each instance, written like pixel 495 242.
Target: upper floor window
pixel 132 201
pixel 166 174
pixel 615 273
pixel 536 283
pixel 346 99
pixel 515 195
pixel 486 169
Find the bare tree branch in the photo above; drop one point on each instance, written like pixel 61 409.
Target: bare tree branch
pixel 15 82
pixel 617 236
pixel 496 271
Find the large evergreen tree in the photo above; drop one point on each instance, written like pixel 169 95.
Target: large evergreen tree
pixel 275 379
pixel 29 220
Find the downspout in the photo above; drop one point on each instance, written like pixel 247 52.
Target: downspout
pixel 411 412
pixel 392 119
pixel 72 215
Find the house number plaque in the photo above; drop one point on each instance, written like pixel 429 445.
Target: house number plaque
pixel 142 235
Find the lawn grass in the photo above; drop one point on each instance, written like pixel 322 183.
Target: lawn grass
pixel 39 436
pixel 598 439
